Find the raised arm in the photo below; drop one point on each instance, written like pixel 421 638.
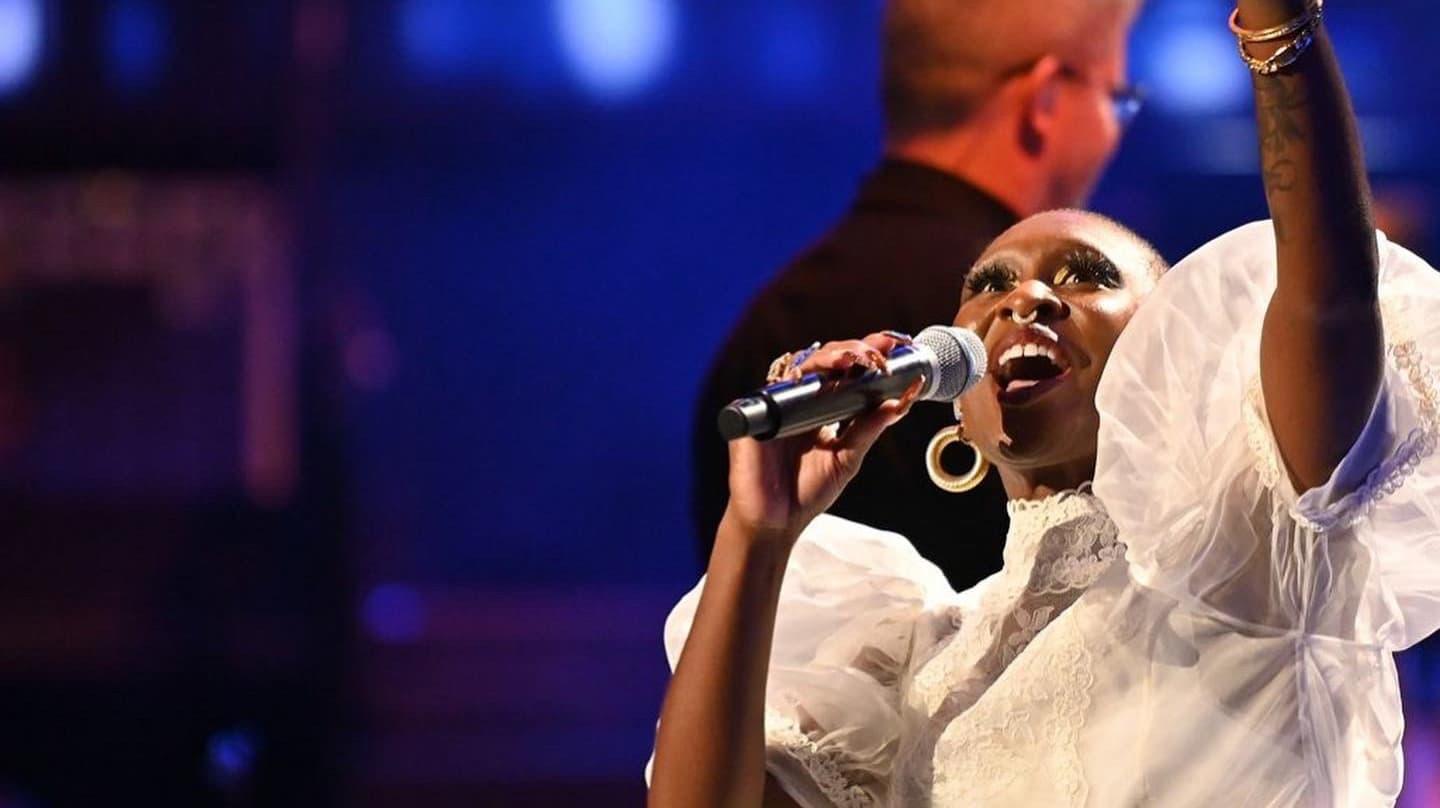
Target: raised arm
pixel 1321 346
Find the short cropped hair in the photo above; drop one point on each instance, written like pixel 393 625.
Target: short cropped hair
pixel 942 58
pixel 1155 262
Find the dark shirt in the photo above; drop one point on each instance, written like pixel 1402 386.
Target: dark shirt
pixel 896 260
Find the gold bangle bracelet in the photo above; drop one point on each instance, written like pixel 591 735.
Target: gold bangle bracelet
pixel 1283 58
pixel 1282 31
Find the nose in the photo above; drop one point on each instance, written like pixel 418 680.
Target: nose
pixel 1033 301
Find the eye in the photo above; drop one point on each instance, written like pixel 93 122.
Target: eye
pixel 990 278
pixel 1086 266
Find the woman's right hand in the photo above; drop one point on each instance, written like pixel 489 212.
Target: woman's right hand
pixel 777 487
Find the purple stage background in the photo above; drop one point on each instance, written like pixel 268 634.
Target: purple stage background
pixel 348 350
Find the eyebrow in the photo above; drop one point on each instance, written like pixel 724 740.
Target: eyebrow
pixel 1085 246
pixel 994 264
pixel 1069 246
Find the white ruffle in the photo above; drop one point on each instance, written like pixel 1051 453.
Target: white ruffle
pixel 1189 472
pixel 824 767
pixel 850 605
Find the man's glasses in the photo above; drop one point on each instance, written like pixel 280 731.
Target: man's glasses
pixel 1127 99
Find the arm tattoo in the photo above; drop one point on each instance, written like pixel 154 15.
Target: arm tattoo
pixel 1279 102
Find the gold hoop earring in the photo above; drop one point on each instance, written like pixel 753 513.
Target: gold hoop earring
pixel 943 479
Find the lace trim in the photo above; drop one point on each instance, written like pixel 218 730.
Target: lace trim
pixel 1064 541
pixel 1050 503
pixel 825 765
pixel 1384 479
pixel 1060 560
pixel 1028 625
pixel 1267 462
pixel 1056 548
pixel 1028 722
pixel 1083 554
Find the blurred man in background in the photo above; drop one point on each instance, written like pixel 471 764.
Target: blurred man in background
pixel 994 110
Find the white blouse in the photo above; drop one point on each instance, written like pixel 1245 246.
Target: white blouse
pixel 1192 631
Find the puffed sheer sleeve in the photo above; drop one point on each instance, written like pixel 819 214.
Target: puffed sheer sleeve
pixel 1189 470
pixel 850 605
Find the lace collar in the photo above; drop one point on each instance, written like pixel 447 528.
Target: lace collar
pixel 1031 520
pixel 1080 497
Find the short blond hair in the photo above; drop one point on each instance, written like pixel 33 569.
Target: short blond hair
pixel 943 57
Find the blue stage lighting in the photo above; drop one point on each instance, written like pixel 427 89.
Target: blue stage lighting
pixel 137 43
pixel 230 757
pixel 1190 62
pixel 792 48
pixel 616 48
pixel 393 613
pixel 21 32
pixel 445 38
pixel 1196 70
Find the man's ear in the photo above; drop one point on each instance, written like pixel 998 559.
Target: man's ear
pixel 1039 99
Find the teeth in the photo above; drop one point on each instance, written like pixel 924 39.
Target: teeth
pixel 1027 350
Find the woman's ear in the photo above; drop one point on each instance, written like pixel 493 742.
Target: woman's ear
pixel 1040 97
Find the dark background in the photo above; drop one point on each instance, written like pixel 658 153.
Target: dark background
pixel 347 351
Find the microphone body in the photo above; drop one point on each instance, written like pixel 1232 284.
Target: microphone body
pixel 950 360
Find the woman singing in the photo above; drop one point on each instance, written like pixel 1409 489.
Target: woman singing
pixel 1225 518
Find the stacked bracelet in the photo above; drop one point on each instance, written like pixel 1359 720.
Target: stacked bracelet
pixel 1300 31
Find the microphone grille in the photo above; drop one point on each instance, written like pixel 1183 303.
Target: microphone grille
pixel 962 360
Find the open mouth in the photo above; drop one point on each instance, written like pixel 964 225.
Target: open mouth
pixel 1027 370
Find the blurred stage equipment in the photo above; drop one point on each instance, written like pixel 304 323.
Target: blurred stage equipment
pixel 154 322
pixel 172 588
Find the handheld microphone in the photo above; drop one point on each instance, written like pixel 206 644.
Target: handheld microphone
pixel 950 360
